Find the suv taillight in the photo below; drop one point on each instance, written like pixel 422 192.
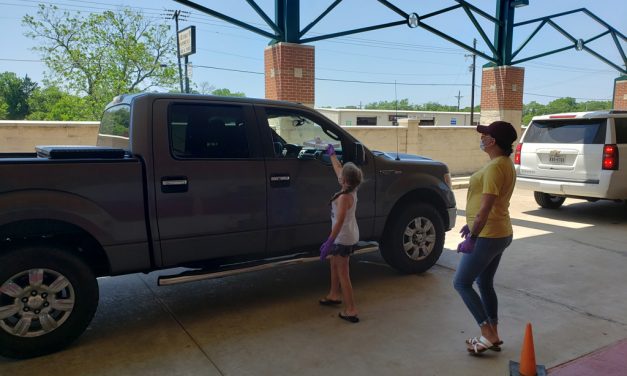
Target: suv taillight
pixel 517 154
pixel 610 157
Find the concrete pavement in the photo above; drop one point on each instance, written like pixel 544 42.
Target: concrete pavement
pixel 564 273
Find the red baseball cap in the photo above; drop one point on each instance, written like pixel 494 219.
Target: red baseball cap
pixel 503 132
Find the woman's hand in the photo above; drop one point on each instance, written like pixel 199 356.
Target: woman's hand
pixel 465 231
pixel 467 246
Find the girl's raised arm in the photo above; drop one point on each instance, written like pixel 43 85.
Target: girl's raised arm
pixel 337 166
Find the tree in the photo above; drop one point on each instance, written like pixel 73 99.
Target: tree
pixel 103 54
pixel 53 104
pixel 14 93
pixel 559 105
pixel 227 93
pixel 4 109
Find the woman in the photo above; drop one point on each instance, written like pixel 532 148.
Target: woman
pixel 488 231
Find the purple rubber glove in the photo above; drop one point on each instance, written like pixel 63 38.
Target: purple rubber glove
pixel 467 246
pixel 465 231
pixel 325 248
pixel 330 150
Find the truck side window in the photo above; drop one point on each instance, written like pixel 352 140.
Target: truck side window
pixel 207 131
pixel 114 127
pixel 294 134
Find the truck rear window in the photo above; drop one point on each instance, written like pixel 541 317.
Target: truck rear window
pixel 574 131
pixel 114 127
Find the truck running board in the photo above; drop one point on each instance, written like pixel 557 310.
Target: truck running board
pixel 298 258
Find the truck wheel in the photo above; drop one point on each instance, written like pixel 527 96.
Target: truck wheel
pixel 548 201
pixel 414 239
pixel 47 298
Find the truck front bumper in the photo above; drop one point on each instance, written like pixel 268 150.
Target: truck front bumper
pixel 452 217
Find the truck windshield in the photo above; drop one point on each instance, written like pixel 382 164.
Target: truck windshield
pixel 114 127
pixel 575 131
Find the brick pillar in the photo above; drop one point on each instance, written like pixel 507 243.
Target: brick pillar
pixel 502 95
pixel 620 93
pixel 290 73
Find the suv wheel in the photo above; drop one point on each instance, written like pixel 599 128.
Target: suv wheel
pixel 414 239
pixel 48 296
pixel 548 201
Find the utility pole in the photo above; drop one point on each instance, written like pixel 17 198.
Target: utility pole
pixel 472 86
pixel 458 96
pixel 176 15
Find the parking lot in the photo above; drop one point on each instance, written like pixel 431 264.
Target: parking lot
pixel 564 273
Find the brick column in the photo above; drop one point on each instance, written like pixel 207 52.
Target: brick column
pixel 620 93
pixel 502 95
pixel 290 73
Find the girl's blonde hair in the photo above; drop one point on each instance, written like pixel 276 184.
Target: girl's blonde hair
pixel 352 176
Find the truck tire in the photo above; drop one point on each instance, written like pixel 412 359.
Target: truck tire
pixel 548 201
pixel 414 239
pixel 48 296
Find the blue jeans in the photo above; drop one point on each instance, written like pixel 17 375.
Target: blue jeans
pixel 480 266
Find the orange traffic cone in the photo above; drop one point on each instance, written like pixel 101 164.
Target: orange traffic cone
pixel 527 366
pixel 527 355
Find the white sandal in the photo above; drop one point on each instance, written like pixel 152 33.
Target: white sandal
pixel 496 346
pixel 479 345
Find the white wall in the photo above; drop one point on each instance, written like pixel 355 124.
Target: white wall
pixel 23 136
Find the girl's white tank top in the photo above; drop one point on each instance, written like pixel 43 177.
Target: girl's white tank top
pixel 349 233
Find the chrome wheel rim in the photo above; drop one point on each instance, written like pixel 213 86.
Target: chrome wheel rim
pixel 419 238
pixel 35 302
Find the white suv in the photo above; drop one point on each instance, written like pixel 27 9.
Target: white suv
pixel 581 154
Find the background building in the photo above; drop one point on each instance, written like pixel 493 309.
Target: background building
pixel 348 117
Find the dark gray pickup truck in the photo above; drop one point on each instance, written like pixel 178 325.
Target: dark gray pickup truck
pixel 216 185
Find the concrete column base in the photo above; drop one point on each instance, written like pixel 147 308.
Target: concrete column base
pixel 513 117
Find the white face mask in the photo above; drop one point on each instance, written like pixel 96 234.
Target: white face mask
pixel 482 144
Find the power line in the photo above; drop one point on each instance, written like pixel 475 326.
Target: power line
pixel 353 81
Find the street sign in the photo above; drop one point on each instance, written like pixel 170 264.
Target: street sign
pixel 187 41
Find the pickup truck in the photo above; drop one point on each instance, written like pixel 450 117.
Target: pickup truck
pixel 215 185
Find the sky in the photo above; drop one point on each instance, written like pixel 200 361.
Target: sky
pixel 398 62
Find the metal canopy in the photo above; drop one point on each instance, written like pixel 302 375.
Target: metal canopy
pixel 286 28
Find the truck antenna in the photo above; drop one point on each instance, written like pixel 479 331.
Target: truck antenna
pixel 396 119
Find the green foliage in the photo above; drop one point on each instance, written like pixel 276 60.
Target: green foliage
pixel 14 94
pixel 4 109
pixel 103 54
pixel 53 104
pixel 227 93
pixel 560 105
pixel 404 105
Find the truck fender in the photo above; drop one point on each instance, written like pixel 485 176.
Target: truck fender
pixel 55 205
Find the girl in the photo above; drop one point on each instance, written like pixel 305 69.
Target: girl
pixel 343 238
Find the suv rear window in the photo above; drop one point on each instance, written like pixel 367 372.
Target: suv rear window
pixel 574 131
pixel 621 130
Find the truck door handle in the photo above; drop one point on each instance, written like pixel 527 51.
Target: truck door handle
pixel 174 184
pixel 390 172
pixel 280 180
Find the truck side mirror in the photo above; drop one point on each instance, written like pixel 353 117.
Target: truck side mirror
pixel 360 154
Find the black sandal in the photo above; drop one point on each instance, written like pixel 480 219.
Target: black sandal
pixel 329 302
pixel 353 319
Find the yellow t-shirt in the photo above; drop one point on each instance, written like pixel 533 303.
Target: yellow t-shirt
pixel 498 178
